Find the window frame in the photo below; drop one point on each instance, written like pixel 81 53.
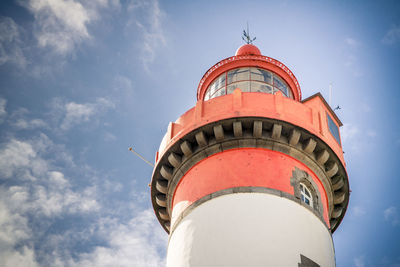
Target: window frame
pixel 303 194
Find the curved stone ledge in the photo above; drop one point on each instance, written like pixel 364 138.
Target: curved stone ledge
pixel 250 132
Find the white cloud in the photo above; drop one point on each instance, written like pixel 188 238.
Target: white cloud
pixel 59 24
pixel 15 156
pixel 359 261
pixel 136 243
pixel 348 131
pixel 46 194
pixel 392 36
pixel 3 112
pixel 46 191
pixel 22 258
pixel 10 43
pixel 76 113
pixel 151 28
pixel 391 215
pixel 62 25
pixel 19 119
pixel 24 124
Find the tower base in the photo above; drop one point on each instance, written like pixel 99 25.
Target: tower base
pixel 250 229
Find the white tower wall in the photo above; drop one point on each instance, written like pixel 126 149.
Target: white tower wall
pixel 250 229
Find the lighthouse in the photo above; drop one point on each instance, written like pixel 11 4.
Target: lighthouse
pixel 252 175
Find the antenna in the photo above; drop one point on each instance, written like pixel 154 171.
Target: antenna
pixel 246 35
pixel 140 156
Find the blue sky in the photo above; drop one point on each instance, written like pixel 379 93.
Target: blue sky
pixel 81 81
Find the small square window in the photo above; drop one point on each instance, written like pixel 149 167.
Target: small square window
pixel 333 128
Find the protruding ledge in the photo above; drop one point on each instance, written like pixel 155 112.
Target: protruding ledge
pixel 162 186
pixel 166 172
pixel 310 145
pixel 174 159
pixel 323 157
pixel 237 129
pixel 294 137
pixel 201 139
pixel 218 132
pixel 186 148
pixel 257 129
pixel 276 131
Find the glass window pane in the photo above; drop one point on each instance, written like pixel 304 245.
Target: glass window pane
pixel 261 75
pixel 281 85
pixel 244 87
pixel 220 92
pixel 333 128
pixel 307 193
pixel 220 81
pixel 241 74
pixel 260 87
pixel 207 94
pixel 212 88
pixel 307 201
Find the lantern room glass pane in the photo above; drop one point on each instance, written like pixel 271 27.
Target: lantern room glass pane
pixel 241 74
pixel 220 92
pixel 212 88
pixel 261 75
pixel 261 87
pixel 243 86
pixel 248 79
pixel 281 85
pixel 220 81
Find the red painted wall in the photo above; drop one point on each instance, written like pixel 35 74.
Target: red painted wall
pixel 240 167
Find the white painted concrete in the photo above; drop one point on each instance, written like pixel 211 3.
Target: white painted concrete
pixel 249 229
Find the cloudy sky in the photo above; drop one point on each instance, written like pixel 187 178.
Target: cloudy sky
pixel 81 81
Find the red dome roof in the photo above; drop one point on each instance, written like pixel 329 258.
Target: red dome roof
pixel 248 49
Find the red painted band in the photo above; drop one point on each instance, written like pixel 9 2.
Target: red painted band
pixel 256 167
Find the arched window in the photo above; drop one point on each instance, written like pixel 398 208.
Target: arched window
pixel 306 195
pixel 306 190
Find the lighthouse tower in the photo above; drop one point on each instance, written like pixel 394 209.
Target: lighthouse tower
pixel 252 175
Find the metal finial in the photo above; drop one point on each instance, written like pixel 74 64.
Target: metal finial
pixel 246 36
